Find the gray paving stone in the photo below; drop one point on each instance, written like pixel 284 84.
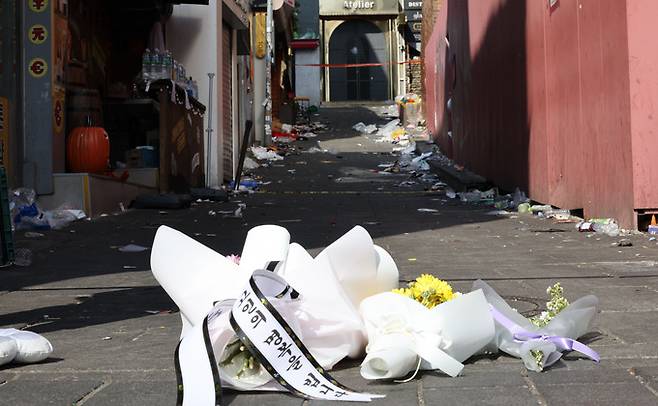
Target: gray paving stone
pixel 135 394
pixel 598 394
pixel 473 379
pixel 492 396
pixel 21 392
pixel 582 377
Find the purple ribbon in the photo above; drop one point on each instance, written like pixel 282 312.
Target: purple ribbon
pixel 561 343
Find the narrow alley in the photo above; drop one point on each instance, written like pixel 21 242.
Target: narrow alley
pixel 115 330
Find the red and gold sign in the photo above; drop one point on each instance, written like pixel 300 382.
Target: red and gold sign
pixel 38 5
pixel 38 34
pixel 38 67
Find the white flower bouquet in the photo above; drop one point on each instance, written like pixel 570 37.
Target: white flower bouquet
pixel 320 306
pixel 424 327
pixel 540 342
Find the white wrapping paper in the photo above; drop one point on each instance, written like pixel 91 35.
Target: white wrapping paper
pixel 324 316
pixel 264 244
pixel 572 322
pixel 403 333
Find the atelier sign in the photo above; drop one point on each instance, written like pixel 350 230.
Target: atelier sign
pixel 358 7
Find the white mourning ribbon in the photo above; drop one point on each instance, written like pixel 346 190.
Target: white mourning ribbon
pixel 269 339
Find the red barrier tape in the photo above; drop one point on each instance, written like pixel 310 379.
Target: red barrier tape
pixel 359 65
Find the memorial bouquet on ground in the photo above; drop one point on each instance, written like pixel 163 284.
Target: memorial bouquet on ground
pixel 277 319
pixel 540 342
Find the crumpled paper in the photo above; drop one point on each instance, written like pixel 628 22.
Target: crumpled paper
pixel 572 322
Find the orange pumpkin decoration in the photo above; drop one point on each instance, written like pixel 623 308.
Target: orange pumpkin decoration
pixel 88 150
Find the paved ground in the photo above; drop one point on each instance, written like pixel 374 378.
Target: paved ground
pixel 93 302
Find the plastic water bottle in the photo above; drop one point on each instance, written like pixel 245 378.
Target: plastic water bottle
pixel 156 61
pixel 147 65
pixel 168 66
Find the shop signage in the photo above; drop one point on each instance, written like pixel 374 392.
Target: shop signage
pixel 38 34
pixel 413 5
pixel 37 100
pixel 358 7
pixel 38 67
pixel 38 5
pixel 414 15
pixel 416 26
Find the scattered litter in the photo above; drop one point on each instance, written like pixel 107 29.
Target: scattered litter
pixel 428 210
pixel 292 171
pixel 313 150
pixel 364 129
pixel 212 213
pixel 250 164
pixel 32 234
pixel 262 153
pixel 238 213
pixel 477 196
pixel 108 338
pixel 523 208
pixel 22 257
pixel 246 185
pixel 653 227
pixel 133 248
pixel 439 186
pixel 604 226
pixel 412 259
pixel 410 108
pixel 624 243
pixel 498 213
pixel 450 193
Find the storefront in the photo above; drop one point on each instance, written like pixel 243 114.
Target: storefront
pixel 360 33
pixel 89 68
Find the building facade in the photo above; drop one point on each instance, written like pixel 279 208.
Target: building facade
pixel 215 39
pixel 308 55
pixel 543 99
pixel 358 33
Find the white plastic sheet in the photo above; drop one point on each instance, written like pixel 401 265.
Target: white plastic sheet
pixel 404 335
pixel 572 322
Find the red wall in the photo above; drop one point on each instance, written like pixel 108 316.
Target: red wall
pixel 545 99
pixel 643 57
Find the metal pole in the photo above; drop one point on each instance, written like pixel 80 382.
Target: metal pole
pixel 211 76
pixel 269 22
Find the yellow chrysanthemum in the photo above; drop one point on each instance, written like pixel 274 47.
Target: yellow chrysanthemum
pixel 428 290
